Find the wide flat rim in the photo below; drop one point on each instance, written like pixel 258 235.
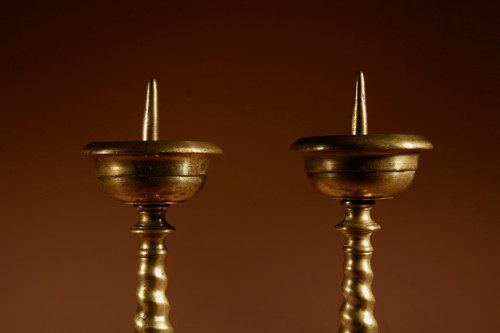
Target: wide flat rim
pixel 151 147
pixel 363 142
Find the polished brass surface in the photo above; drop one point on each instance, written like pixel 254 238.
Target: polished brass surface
pixel 151 175
pixel 151 178
pixel 358 169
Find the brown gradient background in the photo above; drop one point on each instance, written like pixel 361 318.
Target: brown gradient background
pixel 256 250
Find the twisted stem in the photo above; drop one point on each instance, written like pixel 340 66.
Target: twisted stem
pixel 153 306
pixel 356 312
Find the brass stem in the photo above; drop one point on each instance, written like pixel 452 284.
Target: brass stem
pixel 356 312
pixel 153 307
pixel 359 125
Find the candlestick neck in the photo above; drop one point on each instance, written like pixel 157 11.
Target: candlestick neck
pixel 153 306
pixel 356 312
pixel 152 217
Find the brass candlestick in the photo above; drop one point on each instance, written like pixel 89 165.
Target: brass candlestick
pixel 151 175
pixel 360 169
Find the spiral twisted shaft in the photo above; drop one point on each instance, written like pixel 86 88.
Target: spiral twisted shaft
pixel 152 304
pixel 356 312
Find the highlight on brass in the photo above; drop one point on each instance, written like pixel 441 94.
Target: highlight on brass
pixel 152 175
pixel 359 169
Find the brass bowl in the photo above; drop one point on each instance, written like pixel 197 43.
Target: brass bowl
pixel 354 167
pixel 151 172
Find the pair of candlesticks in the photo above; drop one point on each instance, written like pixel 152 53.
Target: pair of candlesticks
pixel 357 168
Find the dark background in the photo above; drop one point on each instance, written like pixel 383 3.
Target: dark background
pixel 256 250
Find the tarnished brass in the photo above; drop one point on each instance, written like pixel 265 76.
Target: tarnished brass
pixel 151 175
pixel 359 169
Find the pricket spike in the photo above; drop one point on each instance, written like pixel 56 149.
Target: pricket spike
pixel 150 128
pixel 359 115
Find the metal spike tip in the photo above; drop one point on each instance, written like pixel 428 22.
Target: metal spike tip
pixel 359 124
pixel 150 128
